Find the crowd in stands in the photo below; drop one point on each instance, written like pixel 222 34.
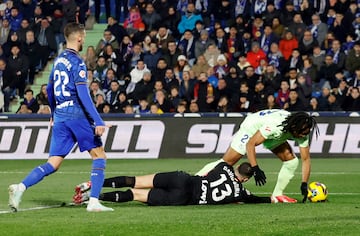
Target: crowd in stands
pixel 202 55
pixel 31 33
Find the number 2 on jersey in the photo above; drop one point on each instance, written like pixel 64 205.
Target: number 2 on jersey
pixel 61 79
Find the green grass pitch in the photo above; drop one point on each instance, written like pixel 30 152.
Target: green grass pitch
pixel 339 216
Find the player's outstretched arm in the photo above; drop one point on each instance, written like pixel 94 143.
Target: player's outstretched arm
pixel 51 97
pixel 251 198
pixel 85 98
pixel 259 175
pixel 306 168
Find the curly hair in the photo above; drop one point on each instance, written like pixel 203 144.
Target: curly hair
pixel 299 122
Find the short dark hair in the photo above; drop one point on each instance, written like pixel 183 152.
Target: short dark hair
pixel 245 170
pixel 73 27
pixel 29 90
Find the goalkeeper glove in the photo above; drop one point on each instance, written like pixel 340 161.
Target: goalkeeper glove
pixel 304 191
pixel 259 175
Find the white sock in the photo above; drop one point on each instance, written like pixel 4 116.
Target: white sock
pixel 93 200
pixel 208 167
pixel 285 175
pixel 21 187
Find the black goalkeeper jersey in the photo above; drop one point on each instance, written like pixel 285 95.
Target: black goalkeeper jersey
pixel 220 186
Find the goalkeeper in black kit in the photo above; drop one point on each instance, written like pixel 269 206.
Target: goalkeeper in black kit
pixel 222 185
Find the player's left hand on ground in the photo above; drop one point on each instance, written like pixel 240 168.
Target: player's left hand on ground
pixel 259 175
pixel 304 191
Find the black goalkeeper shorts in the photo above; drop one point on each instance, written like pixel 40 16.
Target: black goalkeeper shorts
pixel 171 189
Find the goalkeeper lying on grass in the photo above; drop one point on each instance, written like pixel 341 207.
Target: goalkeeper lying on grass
pixel 221 185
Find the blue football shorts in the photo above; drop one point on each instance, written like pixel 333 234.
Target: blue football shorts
pixel 66 134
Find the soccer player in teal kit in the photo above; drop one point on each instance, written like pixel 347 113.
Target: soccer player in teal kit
pixel 273 128
pixel 74 118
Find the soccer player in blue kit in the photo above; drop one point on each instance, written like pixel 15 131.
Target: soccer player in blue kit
pixel 74 119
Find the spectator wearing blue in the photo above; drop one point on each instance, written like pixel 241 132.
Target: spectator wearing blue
pixel 27 8
pixel 29 104
pixel 98 9
pixel 15 18
pixel 189 19
pixel 9 5
pixel 267 38
pixel 356 26
pixel 152 56
pixel 181 6
pixel 339 56
pixel 318 29
pixel 187 46
pixel 258 6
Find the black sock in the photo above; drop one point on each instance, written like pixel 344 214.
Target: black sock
pixel 119 182
pixel 117 196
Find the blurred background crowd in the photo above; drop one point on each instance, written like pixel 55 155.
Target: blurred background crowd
pixel 168 56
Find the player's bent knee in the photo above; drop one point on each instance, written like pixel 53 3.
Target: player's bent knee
pixel 55 162
pixel 97 152
pixel 284 152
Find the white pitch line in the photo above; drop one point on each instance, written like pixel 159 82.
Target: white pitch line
pixel 31 209
pixel 72 204
pixel 38 208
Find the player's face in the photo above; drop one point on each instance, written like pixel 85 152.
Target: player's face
pixel 301 134
pixel 81 40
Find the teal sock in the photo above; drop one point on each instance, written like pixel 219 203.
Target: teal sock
pixel 286 173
